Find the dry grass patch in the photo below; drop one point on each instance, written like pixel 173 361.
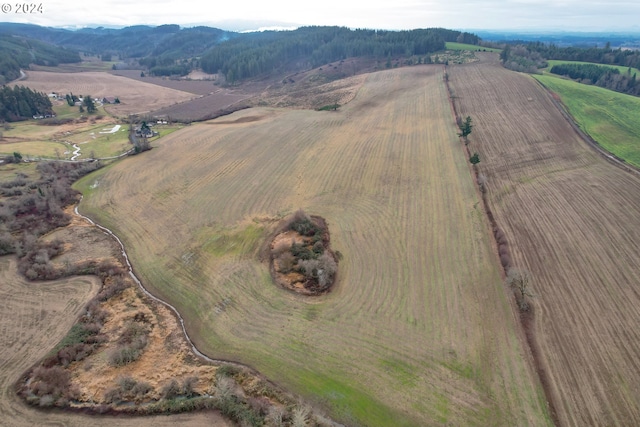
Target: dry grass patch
pixel 164 357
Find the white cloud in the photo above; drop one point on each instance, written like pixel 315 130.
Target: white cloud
pixel 399 14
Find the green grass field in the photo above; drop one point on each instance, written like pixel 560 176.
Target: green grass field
pixel 471 47
pixel 609 117
pixel 34 139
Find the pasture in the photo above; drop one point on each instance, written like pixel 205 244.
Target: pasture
pixel 94 136
pixel 471 47
pixel 608 117
pixel 136 97
pixel 419 328
pixel 571 220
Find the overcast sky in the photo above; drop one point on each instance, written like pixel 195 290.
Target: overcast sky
pixel 570 15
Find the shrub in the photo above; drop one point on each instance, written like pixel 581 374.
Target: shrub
pixel 188 386
pixel 141 389
pixel 170 390
pixel 53 381
pixel 78 334
pixel 6 244
pixel 323 269
pixel 286 262
pixel 300 417
pixel 126 354
pixel 277 415
pixel 302 252
pixel 113 395
pixel 132 332
pixel 126 383
pixel 227 370
pixel 305 227
pixel 519 281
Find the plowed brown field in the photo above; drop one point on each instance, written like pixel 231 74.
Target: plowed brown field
pixel 418 329
pixel 572 219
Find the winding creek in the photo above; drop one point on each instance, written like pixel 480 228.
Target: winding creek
pixel 149 294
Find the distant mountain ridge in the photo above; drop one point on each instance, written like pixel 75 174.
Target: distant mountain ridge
pixel 128 42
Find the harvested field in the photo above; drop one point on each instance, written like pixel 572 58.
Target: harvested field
pixel 571 219
pixel 197 87
pixel 417 330
pixel 136 97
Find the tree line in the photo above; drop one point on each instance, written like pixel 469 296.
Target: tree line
pixel 531 57
pixel 21 103
pixel 603 55
pixel 250 55
pixel 538 53
pixel 600 75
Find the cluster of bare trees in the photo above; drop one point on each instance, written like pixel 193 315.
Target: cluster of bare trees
pixel 308 255
pixel 30 208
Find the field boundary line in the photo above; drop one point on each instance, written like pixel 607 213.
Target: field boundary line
pixel 526 319
pixel 592 143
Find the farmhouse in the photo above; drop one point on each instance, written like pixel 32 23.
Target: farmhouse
pixel 144 132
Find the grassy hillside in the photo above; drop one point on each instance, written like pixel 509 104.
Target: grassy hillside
pixel 472 47
pixel 418 330
pixel 609 117
pixel 620 68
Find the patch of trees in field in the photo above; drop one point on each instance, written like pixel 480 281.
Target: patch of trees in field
pixel 253 54
pixel 20 52
pixel 22 103
pixel 521 58
pixel 306 255
pixel 588 73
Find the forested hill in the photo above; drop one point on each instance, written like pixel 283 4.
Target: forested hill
pixel 252 54
pixel 19 52
pixel 163 46
pixel 172 50
pixel 137 41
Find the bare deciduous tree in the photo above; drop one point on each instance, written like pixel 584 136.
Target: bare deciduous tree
pixel 300 416
pixel 519 280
